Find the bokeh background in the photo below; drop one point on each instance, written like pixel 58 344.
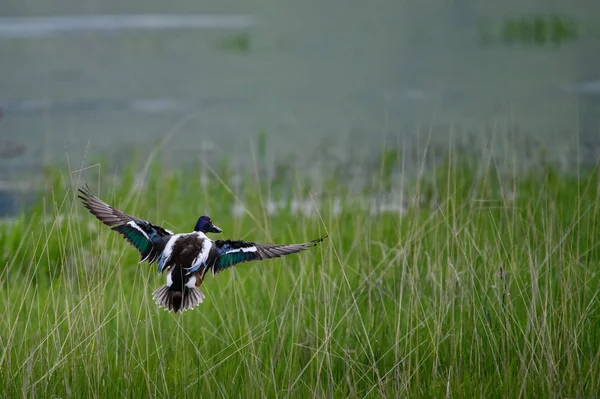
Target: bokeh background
pixel 325 84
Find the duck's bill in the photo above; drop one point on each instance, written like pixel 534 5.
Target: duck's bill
pixel 215 229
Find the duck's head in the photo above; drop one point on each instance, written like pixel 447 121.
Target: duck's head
pixel 205 225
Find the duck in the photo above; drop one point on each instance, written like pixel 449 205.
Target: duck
pixel 186 257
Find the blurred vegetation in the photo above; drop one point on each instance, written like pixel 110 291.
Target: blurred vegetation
pixel 238 43
pixel 535 30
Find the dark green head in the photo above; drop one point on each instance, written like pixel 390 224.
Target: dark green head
pixel 205 225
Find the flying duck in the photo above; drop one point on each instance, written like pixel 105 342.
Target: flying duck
pixel 187 257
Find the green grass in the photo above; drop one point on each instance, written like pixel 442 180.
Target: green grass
pixel 491 292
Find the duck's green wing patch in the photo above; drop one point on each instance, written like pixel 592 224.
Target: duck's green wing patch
pixel 234 256
pixel 137 238
pixel 230 253
pixel 146 237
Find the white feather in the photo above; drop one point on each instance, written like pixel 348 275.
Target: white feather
pixel 191 282
pixel 204 252
pixel 169 247
pixel 166 253
pixel 249 249
pixel 138 228
pixel 169 279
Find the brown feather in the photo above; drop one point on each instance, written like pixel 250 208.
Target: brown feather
pixel 105 213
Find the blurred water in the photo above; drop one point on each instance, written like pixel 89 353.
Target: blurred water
pixel 40 27
pixel 322 78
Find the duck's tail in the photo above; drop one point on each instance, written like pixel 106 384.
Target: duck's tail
pixel 175 300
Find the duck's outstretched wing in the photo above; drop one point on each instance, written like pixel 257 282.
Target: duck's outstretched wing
pixel 229 253
pixel 148 239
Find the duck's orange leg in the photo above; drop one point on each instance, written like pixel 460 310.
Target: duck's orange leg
pixel 199 279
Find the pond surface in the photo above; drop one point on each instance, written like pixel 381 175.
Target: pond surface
pixel 335 79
